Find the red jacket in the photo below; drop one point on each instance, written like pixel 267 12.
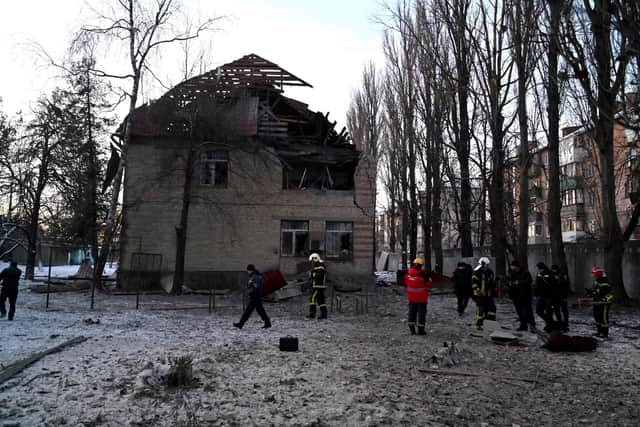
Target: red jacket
pixel 417 288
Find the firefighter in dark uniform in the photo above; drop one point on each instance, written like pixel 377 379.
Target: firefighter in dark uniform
pixel 483 285
pixel 602 299
pixel 9 279
pixel 318 284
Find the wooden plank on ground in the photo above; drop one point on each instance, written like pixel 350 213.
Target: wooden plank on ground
pixel 20 365
pixel 475 374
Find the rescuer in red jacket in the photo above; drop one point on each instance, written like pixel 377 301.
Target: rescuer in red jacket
pixel 418 283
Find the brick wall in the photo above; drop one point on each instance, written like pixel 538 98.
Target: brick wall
pixel 231 227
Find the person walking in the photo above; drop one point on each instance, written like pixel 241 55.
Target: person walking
pixel 602 298
pixel 461 279
pixel 418 283
pixel 254 292
pixel 559 297
pixel 9 279
pixel 483 285
pixel 519 282
pixel 545 283
pixel 318 285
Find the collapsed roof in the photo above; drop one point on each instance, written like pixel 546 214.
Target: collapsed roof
pixel 244 98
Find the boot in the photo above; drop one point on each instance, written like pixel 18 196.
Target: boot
pixel 323 313
pixel 238 325
pixel 312 312
pixel 412 329
pixel 604 332
pixel 421 330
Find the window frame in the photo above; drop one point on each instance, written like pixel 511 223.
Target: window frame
pixel 204 161
pixel 328 232
pixel 294 232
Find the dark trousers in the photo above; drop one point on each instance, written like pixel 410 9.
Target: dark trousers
pixel 255 303
pixel 12 295
pixel 317 298
pixel 417 314
pixel 601 316
pixel 544 310
pixel 524 311
pixel 463 300
pixel 561 312
pixel 485 309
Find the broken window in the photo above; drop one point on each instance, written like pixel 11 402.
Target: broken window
pixel 318 177
pixel 294 237
pixel 339 239
pixel 214 168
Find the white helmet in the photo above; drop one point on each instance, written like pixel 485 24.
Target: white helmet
pixel 314 257
pixel 484 261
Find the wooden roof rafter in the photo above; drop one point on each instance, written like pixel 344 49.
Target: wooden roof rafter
pixel 250 71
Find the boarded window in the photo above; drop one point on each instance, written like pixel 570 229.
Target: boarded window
pixel 339 239
pixel 214 168
pixel 294 237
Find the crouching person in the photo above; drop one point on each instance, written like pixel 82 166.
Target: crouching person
pixel 602 299
pixel 418 283
pixel 254 292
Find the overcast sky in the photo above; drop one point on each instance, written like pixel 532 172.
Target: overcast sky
pixel 323 42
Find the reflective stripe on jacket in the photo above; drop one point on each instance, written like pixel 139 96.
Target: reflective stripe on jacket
pixel 417 289
pixel 602 291
pixel 319 276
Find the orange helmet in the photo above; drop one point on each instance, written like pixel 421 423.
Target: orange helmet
pixel 597 271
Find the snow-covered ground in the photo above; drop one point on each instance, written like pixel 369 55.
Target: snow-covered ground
pixel 350 370
pixel 59 271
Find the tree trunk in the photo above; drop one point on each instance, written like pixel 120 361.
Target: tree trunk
pixel 182 229
pixel 496 194
pixel 523 205
pixel 553 110
pixel 112 215
pixel 606 104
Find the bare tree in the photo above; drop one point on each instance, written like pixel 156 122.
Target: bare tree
pixel 601 73
pixel 523 17
pixel 365 121
pixel 553 99
pixel 143 28
pixel 494 73
pixel 456 16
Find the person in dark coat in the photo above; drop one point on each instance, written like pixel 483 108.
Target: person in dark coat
pixel 461 279
pixel 254 292
pixel 559 297
pixel 9 279
pixel 545 283
pixel 519 283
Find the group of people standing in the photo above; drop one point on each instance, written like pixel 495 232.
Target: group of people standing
pixel 548 294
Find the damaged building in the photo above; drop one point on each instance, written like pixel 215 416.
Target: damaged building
pixel 252 175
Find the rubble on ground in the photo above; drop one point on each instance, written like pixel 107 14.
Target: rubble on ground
pixel 351 369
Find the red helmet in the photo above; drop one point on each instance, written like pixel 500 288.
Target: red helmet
pixel 597 271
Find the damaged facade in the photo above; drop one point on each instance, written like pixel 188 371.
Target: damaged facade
pixel 268 182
